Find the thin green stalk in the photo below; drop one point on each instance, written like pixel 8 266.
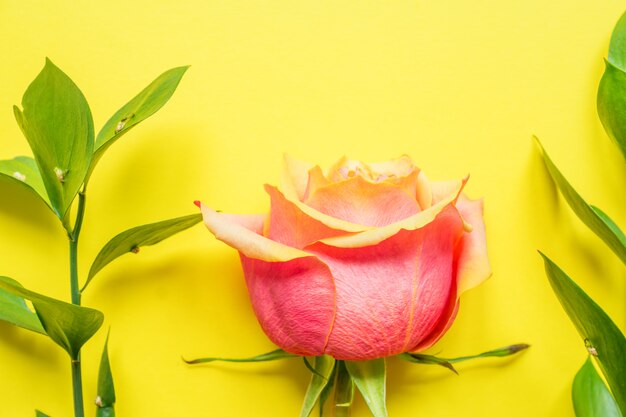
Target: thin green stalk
pixel 74 248
pixel 344 392
pixel 77 380
pixel 77 388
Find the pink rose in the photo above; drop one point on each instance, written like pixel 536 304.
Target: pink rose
pixel 365 262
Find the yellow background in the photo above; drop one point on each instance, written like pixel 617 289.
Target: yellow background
pixel 458 85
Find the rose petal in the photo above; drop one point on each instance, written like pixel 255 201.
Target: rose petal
pixel 474 265
pixel 441 190
pixel 325 219
pixel 294 302
pixel 444 324
pixel 360 201
pixel 295 176
pixel 348 168
pixel 291 226
pixel 423 193
pixel 317 179
pixel 392 295
pixel 292 292
pixel 226 228
pixel 377 235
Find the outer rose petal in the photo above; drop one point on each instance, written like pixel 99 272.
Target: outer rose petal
pixel 474 265
pixel 360 201
pixel 294 302
pixel 392 295
pixel 291 226
pixel 226 228
pixel 292 292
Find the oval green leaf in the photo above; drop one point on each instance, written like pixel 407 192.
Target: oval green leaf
pixel 594 218
pixel 13 309
pixel 611 99
pixel 590 396
pixel 40 414
pixel 369 377
pixel 57 123
pixel 611 103
pixel 133 239
pixel 324 366
pixel 68 325
pixel 602 337
pixel 142 106
pixel 24 171
pixel 105 401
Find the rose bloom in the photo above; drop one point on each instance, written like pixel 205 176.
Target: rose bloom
pixel 364 262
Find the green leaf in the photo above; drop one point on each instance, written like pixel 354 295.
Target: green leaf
pixel 40 414
pixel 328 389
pixel 57 123
pixel 68 325
pixel 590 396
pixel 133 239
pixel 344 391
pixel 144 105
pixel 593 217
pixel 324 366
pixel 447 362
pixel 611 99
pixel 427 360
pixel 265 357
pixel 611 104
pixel 14 310
pixel 617 47
pixel 23 170
pixel 369 378
pixel 105 401
pixel 602 337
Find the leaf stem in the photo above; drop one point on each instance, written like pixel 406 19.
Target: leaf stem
pixel 77 380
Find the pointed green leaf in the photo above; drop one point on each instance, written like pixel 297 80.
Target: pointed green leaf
pixel 68 325
pixel 611 104
pixel 328 389
pixel 144 105
pixel 427 360
pixel 617 47
pixel 14 310
pixel 133 239
pixel 324 366
pixel 40 414
pixel 24 171
pixel 602 337
pixel 57 123
pixel 344 391
pixel 265 357
pixel 593 217
pixel 612 89
pixel 105 401
pixel 369 378
pixel 447 362
pixel 590 396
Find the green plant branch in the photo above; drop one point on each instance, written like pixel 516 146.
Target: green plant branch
pixel 77 379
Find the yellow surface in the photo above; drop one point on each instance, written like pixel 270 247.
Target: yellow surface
pixel 458 85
